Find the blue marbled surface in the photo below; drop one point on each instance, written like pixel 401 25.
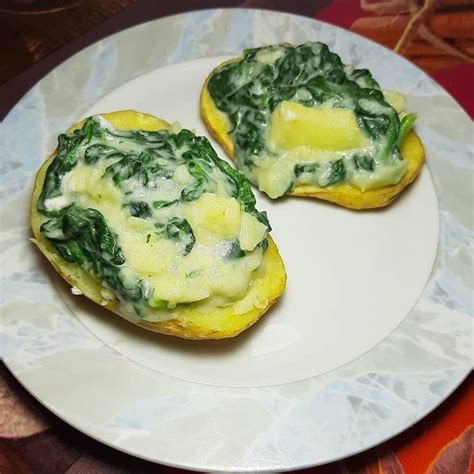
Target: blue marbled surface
pixel 200 426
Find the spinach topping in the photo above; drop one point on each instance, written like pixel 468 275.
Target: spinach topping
pixel 161 203
pixel 179 230
pixel 249 90
pixel 305 168
pixel 94 152
pixel 82 236
pixel 405 126
pixel 336 172
pixel 133 160
pixel 363 162
pixel 158 162
pixel 138 209
pixel 68 156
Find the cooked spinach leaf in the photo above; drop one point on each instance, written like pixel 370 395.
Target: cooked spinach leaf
pixel 305 168
pixel 138 209
pixel 82 236
pixel 337 172
pixel 405 126
pixel 160 204
pixel 123 169
pixel 179 230
pixel 200 184
pixel 97 151
pixel 362 78
pixel 158 303
pixel 364 162
pixel 67 157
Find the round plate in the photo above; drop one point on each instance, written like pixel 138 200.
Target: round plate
pixel 372 333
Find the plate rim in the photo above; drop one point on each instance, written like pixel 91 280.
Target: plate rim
pixel 142 25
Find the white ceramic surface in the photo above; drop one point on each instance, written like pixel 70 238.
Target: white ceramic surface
pixel 352 276
pixel 408 362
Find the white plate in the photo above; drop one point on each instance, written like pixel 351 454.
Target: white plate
pixel 368 337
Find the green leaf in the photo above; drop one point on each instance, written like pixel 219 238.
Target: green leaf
pixel 337 172
pixel 160 204
pixel 98 152
pixel 123 169
pixel 179 230
pixel 158 304
pixel 71 252
pixel 363 162
pixel 302 168
pixel 406 125
pixel 138 209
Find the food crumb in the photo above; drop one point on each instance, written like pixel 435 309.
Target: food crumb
pixel 176 127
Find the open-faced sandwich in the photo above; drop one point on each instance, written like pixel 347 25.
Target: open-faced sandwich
pixel 297 121
pixel 146 220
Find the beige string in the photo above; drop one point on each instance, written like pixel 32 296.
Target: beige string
pixel 420 12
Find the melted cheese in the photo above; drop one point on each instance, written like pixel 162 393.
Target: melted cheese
pixel 382 176
pixel 274 176
pixel 181 175
pixel 269 56
pixel 252 232
pixel 396 99
pixel 86 186
pixel 214 218
pixel 56 203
